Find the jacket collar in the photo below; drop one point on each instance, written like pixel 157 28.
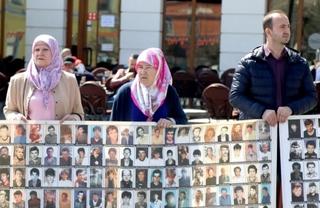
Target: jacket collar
pixel 292 55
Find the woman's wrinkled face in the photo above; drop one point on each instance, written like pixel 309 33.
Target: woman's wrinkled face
pixel 146 73
pixel 42 54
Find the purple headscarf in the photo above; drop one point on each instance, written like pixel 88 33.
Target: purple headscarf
pixel 45 79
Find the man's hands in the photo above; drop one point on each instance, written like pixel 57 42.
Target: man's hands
pixel 272 117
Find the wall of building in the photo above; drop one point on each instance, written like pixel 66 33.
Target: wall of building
pixel 45 17
pixel 241 30
pixel 140 26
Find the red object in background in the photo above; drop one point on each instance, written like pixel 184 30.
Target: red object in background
pixel 92 16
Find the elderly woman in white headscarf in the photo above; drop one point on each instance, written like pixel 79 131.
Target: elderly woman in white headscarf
pixel 150 96
pixel 44 91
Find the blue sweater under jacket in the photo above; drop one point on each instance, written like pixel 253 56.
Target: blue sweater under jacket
pixel 124 109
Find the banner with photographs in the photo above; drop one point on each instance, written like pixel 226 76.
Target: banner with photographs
pixel 135 164
pixel 300 155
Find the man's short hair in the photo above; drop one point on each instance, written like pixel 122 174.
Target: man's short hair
pixel 252 167
pixel 238 188
pixel 49 172
pixel 157 171
pixel 311 142
pixel 196 152
pixel 34 148
pixel 267 20
pixel 237 147
pixel 96 128
pixel 126 194
pixel 51 127
pixel 35 170
pixel 142 193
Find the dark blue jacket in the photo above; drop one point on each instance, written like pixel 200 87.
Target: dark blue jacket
pixel 124 109
pixel 253 89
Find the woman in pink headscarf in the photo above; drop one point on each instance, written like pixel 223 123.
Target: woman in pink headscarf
pixel 150 96
pixel 44 91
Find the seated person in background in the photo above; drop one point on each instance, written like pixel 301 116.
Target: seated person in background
pixel 69 64
pixel 78 65
pixel 150 96
pixel 124 75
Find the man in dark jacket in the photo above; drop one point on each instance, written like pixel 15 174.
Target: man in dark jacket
pixel 273 82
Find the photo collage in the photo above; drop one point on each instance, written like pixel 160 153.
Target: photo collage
pixel 107 164
pixel 301 136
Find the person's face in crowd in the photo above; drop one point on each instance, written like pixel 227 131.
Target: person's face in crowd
pixel 237 172
pixel 265 147
pixel 19 130
pixel 96 152
pixel 19 153
pixel 184 172
pixel 156 155
pixel 312 189
pixel 97 133
pixel 95 197
pixel 170 135
pixel 18 198
pixel 224 193
pixel 311 168
pixel 170 200
pixel 265 170
pixel 4 177
pixel 280 31
pixel 237 128
pixel 264 192
pixel 224 130
pixel 81 154
pixel 140 198
pixel 34 176
pixel 211 172
pixel 309 127
pixel 126 175
pixel 4 152
pixel 156 197
pixel 157 132
pixel 146 73
pixel 141 155
pixel 126 200
pixel 237 152
pixel 132 63
pixel 113 136
pixel 183 155
pixel 210 133
pixel 249 129
pixel 239 194
pixel 252 192
pixel 182 196
pixel 2 198
pixel 50 179
pixel 18 175
pixel 140 131
pixel 109 197
pixel 51 131
pixel 50 152
pixel 250 150
pixel 81 176
pixel 141 176
pixel 80 196
pixel 3 132
pixel 223 171
pixel 64 176
pixel 126 153
pixel 252 172
pixel 34 154
pixel 65 155
pixel 294 127
pixel 310 148
pixel 112 155
pixel 297 191
pixel 64 197
pixel 296 168
pixel 196 132
pixel 196 157
pixel 224 151
pixel 156 178
pixel 42 55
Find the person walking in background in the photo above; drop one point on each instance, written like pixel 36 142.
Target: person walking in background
pixel 41 92
pixel 150 96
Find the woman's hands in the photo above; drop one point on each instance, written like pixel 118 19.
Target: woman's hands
pixel 166 122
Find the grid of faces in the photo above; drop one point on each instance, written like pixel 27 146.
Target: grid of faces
pixel 304 157
pixel 105 165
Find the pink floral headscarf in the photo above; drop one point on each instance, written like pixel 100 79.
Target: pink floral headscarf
pixel 46 79
pixel 148 100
